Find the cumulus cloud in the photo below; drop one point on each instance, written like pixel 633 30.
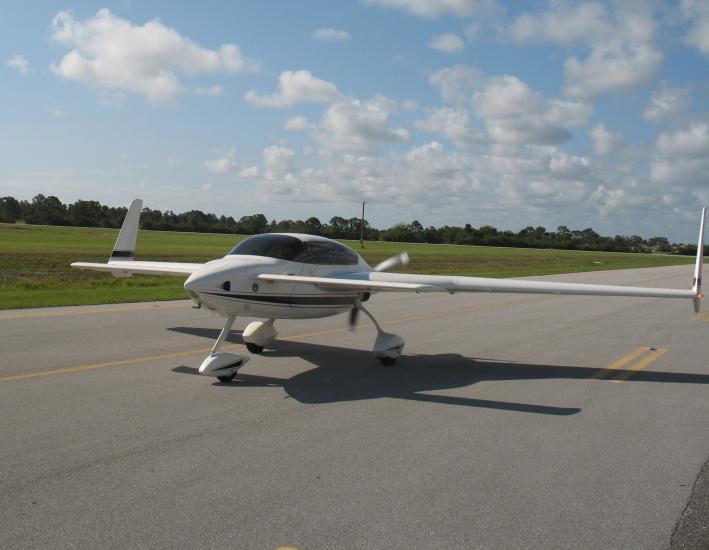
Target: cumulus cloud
pixel 331 35
pixel 453 123
pixel 690 143
pixel 698 34
pixel 604 141
pixel 620 56
pixel 224 161
pixel 666 103
pixel 20 63
pixel 112 53
pixel 514 113
pixel 298 123
pixel 278 160
pixel 296 87
pixel 435 8
pixel 456 83
pixel 447 43
pixel 359 126
pixel 682 158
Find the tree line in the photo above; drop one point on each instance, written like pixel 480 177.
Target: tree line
pixel 52 211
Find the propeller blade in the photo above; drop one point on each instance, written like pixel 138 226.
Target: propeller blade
pixel 390 263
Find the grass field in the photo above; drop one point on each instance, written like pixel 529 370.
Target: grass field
pixel 35 272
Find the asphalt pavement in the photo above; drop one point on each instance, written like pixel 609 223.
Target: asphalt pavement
pixel 511 421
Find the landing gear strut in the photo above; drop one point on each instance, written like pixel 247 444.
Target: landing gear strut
pixel 387 346
pixel 221 364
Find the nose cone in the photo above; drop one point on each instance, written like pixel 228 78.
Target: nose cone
pixel 212 277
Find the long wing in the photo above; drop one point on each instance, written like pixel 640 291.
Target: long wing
pixel 125 269
pixel 378 281
pixel 349 283
pixel 383 282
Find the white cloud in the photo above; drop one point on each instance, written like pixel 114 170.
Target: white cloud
pixel 612 70
pixel 112 53
pixel 682 158
pixel 620 57
pixel 563 24
pixel 514 113
pixel 359 126
pixel 435 8
pixel 690 143
pixel 454 123
pixel 456 83
pixel 698 34
pixel 20 63
pixel 331 35
pixel 296 87
pixel 278 160
pixel 605 142
pixel 666 103
pixel 447 43
pixel 298 123
pixel 224 161
pixel 212 91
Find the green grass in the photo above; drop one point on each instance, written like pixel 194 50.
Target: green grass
pixel 35 272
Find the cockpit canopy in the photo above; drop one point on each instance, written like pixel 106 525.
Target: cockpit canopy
pixel 293 249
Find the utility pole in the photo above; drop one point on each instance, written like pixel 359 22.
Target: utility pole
pixel 361 232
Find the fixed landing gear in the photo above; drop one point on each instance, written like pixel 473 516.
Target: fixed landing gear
pixel 253 348
pixel 221 364
pixel 387 346
pixel 227 378
pixel 258 334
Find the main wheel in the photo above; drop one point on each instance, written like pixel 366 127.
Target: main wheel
pixel 387 361
pixel 227 378
pixel 253 348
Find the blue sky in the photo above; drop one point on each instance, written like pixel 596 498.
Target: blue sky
pixel 446 111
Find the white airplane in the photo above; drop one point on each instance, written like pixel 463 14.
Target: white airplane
pixel 295 276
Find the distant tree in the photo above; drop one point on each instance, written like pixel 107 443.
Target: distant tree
pixel 9 210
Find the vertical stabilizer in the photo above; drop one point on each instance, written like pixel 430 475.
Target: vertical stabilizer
pixel 697 284
pixel 124 249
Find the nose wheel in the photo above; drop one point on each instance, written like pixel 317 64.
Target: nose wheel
pixel 227 378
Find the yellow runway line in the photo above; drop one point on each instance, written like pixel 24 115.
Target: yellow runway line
pixel 60 313
pixel 638 366
pixel 632 356
pixel 145 359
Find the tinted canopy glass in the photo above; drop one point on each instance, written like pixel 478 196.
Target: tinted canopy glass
pixel 329 253
pixel 282 247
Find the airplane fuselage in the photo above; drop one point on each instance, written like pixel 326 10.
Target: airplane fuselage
pixel 229 286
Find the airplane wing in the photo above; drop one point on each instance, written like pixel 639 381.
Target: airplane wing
pixel 380 281
pixel 125 269
pixel 360 285
pixel 401 282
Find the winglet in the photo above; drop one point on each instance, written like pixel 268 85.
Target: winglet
pixel 124 249
pixel 697 283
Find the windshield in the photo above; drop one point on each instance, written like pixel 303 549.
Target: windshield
pixel 282 247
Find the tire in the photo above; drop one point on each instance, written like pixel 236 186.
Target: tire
pixel 253 348
pixel 227 378
pixel 387 361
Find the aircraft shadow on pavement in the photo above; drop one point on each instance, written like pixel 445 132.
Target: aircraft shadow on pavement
pixel 345 374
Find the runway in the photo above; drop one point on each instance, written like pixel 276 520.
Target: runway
pixel 511 421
